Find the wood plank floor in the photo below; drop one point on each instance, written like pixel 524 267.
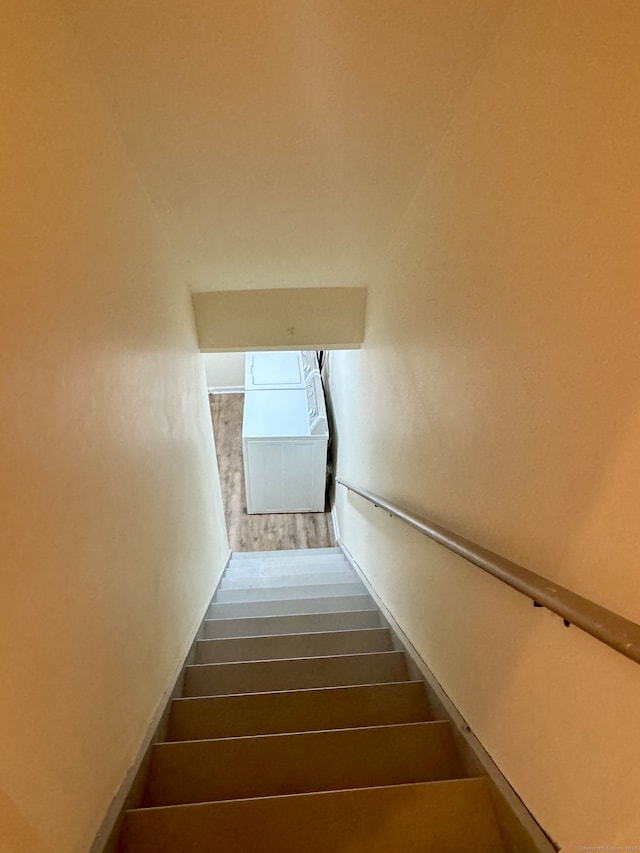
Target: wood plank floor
pixel 272 532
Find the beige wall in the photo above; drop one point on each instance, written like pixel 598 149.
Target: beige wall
pixel 292 318
pixel 224 369
pixel 480 176
pixel 112 531
pixel 282 140
pixel 498 392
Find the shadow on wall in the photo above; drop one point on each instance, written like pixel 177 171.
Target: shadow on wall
pixel 16 834
pixel 498 393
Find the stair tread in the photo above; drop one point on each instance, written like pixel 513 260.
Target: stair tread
pixel 298 552
pixel 288 560
pixel 265 568
pixel 305 690
pixel 280 646
pixel 311 709
pixel 292 659
pixel 299 762
pixel 453 816
pixel 293 633
pixel 287 690
pixel 302 572
pixel 316 555
pixel 224 627
pixel 310 602
pixel 283 607
pixel 242 581
pixel 286 593
pixel 284 735
pixel 294 673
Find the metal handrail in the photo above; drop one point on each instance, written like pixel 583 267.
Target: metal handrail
pixel 614 630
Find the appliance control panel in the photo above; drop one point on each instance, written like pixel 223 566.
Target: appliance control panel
pixel 316 406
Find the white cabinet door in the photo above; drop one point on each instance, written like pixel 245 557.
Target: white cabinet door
pixel 285 476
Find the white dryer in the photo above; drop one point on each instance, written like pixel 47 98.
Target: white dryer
pixel 277 371
pixel 284 443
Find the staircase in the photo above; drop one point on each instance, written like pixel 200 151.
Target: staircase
pixel 300 730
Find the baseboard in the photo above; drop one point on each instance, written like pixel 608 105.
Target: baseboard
pixel 129 794
pixel 227 389
pixel 521 831
pixel 334 521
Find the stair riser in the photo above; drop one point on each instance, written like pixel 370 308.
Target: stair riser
pixel 425 818
pixel 293 646
pixel 240 581
pixel 296 554
pixel 298 711
pixel 267 676
pixel 331 604
pixel 235 768
pixel 258 734
pixel 270 625
pixel 280 593
pixel 255 567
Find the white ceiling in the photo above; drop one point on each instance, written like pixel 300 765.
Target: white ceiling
pixel 282 140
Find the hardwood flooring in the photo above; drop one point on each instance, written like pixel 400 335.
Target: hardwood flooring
pixel 272 532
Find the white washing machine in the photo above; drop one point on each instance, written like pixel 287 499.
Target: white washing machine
pixel 285 436
pixel 277 371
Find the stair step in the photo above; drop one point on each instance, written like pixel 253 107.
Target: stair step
pixel 241 581
pixel 199 771
pixel 280 593
pixel 284 557
pixel 433 817
pixel 290 559
pixel 293 645
pixel 299 570
pixel 295 624
pixel 325 604
pixel 298 711
pixel 302 553
pixel 217 679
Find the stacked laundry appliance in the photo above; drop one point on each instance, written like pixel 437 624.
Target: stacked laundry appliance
pixel 285 433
